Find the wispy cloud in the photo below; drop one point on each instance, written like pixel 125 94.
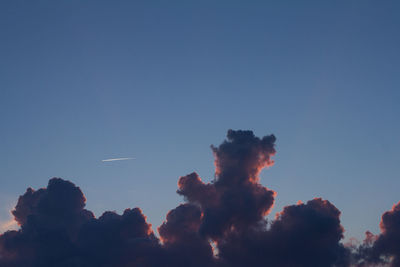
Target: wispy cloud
pixel 116 159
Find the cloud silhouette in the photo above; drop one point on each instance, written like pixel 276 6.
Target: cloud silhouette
pixel 50 221
pixel 235 200
pixel 301 235
pixel 221 224
pixel 384 248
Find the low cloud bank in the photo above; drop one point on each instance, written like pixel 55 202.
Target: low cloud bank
pixel 221 224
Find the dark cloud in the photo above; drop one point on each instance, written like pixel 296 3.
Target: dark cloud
pixel 119 240
pixel 182 242
pixel 56 230
pixel 301 235
pixel 222 224
pixel 50 219
pixel 235 200
pixel 385 247
pixel 241 157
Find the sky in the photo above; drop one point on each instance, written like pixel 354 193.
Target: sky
pixel 161 81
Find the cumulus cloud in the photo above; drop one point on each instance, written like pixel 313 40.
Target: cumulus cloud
pixel 235 200
pixel 221 224
pixel 301 235
pixel 384 248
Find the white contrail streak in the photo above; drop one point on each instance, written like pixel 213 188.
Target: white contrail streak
pixel 106 160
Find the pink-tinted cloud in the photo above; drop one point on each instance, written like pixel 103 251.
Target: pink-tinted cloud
pixel 221 224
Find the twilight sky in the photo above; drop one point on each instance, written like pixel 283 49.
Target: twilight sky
pixel 85 81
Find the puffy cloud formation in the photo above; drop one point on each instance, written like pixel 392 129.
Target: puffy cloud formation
pixel 301 235
pixel 383 249
pixel 182 242
pixel 50 220
pixel 56 230
pixel 221 224
pixel 235 200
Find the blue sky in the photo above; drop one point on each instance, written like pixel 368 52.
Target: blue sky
pixel 81 81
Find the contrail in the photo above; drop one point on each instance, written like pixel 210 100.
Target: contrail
pixel 106 160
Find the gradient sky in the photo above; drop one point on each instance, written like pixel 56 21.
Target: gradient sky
pixel 82 81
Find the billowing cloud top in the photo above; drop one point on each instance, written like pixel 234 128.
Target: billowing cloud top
pixel 221 224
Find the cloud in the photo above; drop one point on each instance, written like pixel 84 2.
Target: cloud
pixel 220 224
pixel 8 225
pixel 385 247
pixel 301 235
pixel 182 241
pixel 235 200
